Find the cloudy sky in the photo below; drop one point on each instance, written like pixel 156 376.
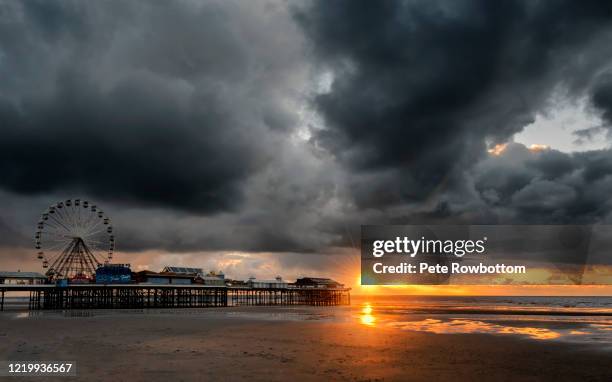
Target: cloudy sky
pixel 257 136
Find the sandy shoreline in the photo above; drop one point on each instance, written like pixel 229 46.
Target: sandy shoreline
pixel 162 347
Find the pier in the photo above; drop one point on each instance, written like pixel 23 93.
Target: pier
pixel 146 296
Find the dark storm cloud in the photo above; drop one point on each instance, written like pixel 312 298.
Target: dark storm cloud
pixel 420 86
pixel 601 96
pixel 159 104
pixel 550 186
pixel 547 186
pixel 211 126
pixel 179 119
pixel 135 142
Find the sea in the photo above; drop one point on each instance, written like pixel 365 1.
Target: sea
pixel 584 319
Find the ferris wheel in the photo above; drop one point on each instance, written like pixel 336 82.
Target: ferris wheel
pixel 73 238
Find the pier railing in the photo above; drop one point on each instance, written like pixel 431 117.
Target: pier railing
pixel 144 296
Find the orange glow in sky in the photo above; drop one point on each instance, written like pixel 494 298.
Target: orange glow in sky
pixel 498 149
pixel 482 290
pixel 537 148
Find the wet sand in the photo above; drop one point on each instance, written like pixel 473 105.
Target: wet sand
pixel 233 346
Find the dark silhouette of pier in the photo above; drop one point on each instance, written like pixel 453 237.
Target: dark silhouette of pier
pixel 140 296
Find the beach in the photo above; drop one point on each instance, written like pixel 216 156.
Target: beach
pixel 308 344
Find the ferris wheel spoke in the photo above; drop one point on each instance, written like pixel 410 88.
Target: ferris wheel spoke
pixel 90 230
pixel 88 218
pixel 62 217
pixel 54 233
pixel 94 244
pixel 92 240
pixel 52 259
pixel 75 216
pixel 56 245
pixel 67 210
pixel 67 218
pixel 90 262
pixel 54 240
pixel 91 219
pixel 91 254
pixel 100 231
pixel 78 213
pixel 49 234
pixel 72 216
pixel 93 227
pixel 53 244
pixel 70 213
pixel 54 236
pixel 58 262
pixel 52 226
pixel 59 223
pixel 60 212
pixel 96 258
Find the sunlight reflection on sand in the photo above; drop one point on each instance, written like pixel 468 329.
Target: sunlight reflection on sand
pixel 366 317
pixel 462 326
pixel 369 316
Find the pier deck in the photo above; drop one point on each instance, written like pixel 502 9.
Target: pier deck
pixel 143 296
